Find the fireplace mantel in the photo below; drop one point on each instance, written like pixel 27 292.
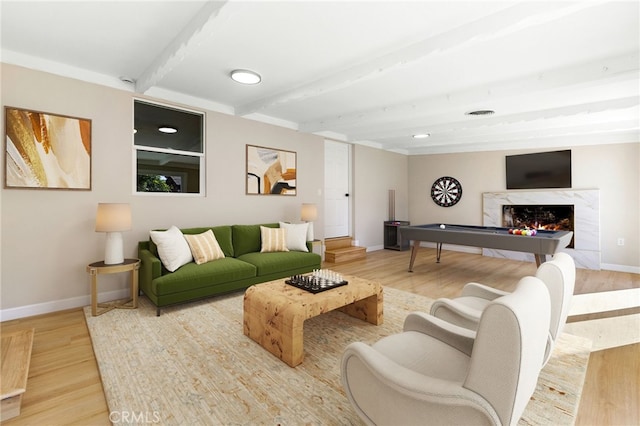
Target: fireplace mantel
pixel 586 202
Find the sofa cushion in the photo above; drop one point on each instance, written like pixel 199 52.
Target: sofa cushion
pixel 192 276
pixel 296 235
pixel 273 239
pixel 173 249
pixel 204 247
pixel 269 263
pixel 246 238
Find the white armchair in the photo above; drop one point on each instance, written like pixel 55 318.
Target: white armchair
pixel 435 372
pixel 559 276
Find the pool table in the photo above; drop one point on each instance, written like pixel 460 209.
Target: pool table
pixel 541 244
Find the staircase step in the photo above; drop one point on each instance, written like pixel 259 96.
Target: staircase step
pixel 337 242
pixel 345 254
pixel 16 357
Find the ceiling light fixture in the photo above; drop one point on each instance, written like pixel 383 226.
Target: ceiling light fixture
pixel 167 129
pixel 480 112
pixel 245 76
pixel 421 135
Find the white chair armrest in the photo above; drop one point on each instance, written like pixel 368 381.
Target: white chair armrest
pixel 459 337
pixel 392 378
pixel 457 313
pixel 482 291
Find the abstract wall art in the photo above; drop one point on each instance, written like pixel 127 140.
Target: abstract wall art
pixel 46 151
pixel 270 171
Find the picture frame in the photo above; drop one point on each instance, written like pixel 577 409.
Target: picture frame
pixel 46 151
pixel 270 171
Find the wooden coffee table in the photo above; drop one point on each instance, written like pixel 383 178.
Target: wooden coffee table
pixel 274 312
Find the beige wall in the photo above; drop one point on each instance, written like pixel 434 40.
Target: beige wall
pixel 375 173
pixel 48 236
pixel 614 169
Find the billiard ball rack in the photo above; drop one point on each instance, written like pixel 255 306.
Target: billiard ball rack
pixel 524 232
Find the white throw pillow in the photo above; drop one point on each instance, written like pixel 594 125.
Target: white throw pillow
pixel 296 235
pixel 273 239
pixel 172 248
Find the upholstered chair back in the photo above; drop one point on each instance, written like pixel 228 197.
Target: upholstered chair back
pixel 559 275
pixel 509 349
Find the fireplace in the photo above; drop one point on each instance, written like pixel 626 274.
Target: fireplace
pixel 549 217
pixel 578 207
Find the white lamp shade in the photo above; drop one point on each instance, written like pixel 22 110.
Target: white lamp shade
pixel 309 212
pixel 113 217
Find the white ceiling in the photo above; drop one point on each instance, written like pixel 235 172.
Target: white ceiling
pixel 556 73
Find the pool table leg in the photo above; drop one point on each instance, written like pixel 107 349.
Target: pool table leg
pixel 414 252
pixel 438 252
pixel 540 259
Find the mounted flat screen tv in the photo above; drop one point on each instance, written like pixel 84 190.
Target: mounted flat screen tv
pixel 539 170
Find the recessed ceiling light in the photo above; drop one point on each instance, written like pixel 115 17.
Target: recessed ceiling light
pixel 421 135
pixel 245 76
pixel 480 112
pixel 167 129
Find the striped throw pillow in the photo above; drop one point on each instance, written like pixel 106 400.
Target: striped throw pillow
pixel 273 239
pixel 204 247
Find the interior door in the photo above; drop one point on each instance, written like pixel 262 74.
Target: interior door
pixel 337 184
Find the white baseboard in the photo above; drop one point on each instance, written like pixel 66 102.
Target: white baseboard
pixel 60 305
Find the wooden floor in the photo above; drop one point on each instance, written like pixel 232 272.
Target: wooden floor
pixel 64 384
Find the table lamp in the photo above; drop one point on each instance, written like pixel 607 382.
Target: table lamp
pixel 308 214
pixel 113 218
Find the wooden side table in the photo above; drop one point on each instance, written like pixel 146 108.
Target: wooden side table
pixel 96 268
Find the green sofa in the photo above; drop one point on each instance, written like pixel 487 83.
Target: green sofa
pixel 242 266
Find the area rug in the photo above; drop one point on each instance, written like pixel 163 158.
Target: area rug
pixel 194 366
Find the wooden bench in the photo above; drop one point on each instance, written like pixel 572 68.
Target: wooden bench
pixel 16 356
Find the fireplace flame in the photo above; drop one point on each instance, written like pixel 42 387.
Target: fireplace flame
pixel 563 225
pixel 539 217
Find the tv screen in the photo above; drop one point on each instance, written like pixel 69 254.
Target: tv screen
pixel 539 170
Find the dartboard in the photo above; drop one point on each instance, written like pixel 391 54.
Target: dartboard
pixel 446 191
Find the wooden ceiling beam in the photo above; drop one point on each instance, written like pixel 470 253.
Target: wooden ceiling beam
pixel 186 43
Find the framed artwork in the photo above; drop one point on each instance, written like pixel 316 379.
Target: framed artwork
pixel 46 151
pixel 270 171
